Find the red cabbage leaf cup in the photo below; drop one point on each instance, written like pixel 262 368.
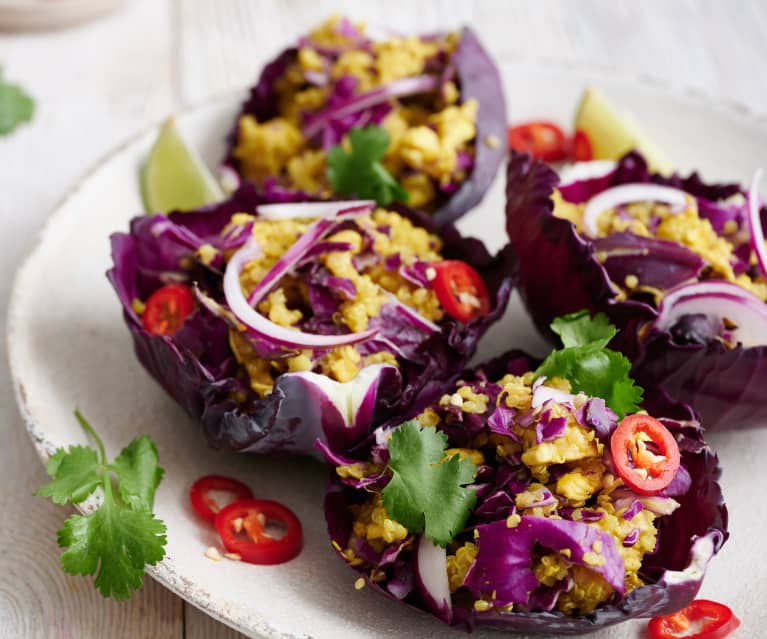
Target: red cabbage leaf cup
pixel 409 569
pixel 684 346
pixel 197 367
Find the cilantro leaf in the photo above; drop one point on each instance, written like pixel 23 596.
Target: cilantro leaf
pixel 138 472
pixel 626 395
pixel 15 106
pixel 358 172
pixel 114 541
pixel 118 539
pixel 426 492
pixel 579 329
pixel 589 366
pixel 75 475
pixel 54 461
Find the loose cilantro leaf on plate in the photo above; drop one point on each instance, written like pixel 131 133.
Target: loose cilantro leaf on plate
pixel 426 493
pixel 121 536
pixel 15 106
pixel 358 171
pixel 116 541
pixel 587 363
pixel 138 473
pixel 76 473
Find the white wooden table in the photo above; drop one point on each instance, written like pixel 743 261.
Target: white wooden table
pixel 99 83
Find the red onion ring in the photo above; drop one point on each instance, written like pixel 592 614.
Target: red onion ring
pixel 626 194
pixel 262 325
pixel 293 210
pixel 721 298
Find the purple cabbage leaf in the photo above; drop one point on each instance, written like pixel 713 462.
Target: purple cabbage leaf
pixel 477 77
pixel 197 367
pixel 688 535
pixel 562 271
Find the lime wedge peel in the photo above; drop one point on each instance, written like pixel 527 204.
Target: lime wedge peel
pixel 612 134
pixel 174 177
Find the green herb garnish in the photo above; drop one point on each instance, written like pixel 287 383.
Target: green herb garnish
pixel 587 363
pixel 358 172
pixel 16 106
pixel 120 537
pixel 427 492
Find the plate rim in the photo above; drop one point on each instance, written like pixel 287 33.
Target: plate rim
pixel 164 572
pixel 16 15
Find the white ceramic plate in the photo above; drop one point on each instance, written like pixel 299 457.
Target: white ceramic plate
pixel 50 14
pixel 68 347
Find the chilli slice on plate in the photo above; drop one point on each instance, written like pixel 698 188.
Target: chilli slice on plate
pixel 421 118
pixel 275 325
pixel 502 505
pixel 678 263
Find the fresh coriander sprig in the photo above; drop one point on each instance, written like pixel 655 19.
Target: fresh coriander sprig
pixel 587 363
pixel 427 492
pixel 358 172
pixel 16 106
pixel 122 536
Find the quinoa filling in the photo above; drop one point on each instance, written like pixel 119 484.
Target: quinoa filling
pixel 726 254
pixel 432 135
pixel 370 261
pixel 552 464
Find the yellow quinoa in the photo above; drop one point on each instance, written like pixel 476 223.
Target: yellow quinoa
pixel 568 472
pixel 287 304
pixel 686 227
pixel 428 135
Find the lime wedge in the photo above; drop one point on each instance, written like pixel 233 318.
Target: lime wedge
pixel 612 134
pixel 174 177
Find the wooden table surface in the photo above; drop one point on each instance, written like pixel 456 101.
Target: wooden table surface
pixel 98 83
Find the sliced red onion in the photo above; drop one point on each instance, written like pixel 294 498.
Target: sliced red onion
pixel 542 394
pixel 626 194
pixel 324 247
pixel 431 578
pixel 302 245
pixel 235 236
pixel 719 298
pixel 413 316
pixel 625 498
pixel 264 327
pixel 396 89
pixel 312 210
pixel 214 307
pixel 379 343
pixel 659 505
pixel 755 223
